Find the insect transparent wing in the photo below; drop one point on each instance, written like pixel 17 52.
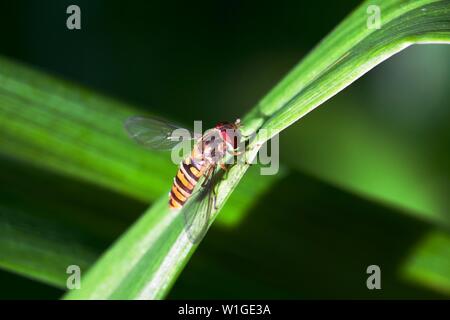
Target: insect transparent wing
pixel 154 133
pixel 197 210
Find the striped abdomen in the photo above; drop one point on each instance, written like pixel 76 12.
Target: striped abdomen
pixel 184 183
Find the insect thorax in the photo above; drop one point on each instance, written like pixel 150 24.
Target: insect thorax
pixel 211 148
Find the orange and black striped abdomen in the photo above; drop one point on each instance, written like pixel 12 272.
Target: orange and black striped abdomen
pixel 184 183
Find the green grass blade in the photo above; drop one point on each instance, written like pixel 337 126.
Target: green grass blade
pixel 369 160
pixel 58 127
pixel 42 232
pixel 45 229
pixel 38 250
pixel 429 263
pixel 349 52
pixel 145 262
pixel 141 263
pixel 156 247
pixel 69 130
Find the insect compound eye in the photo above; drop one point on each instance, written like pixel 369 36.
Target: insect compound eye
pixel 232 136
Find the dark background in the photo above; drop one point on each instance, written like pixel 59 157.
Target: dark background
pixel 171 56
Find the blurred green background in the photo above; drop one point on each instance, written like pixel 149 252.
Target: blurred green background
pixel 365 177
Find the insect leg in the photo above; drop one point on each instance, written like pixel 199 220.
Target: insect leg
pixel 225 168
pixel 208 174
pixel 236 153
pixel 214 197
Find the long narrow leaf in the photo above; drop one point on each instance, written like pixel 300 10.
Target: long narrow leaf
pixel 344 56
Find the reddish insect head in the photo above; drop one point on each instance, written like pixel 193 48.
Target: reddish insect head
pixel 230 132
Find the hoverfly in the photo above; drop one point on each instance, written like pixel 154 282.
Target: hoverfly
pixel 194 184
